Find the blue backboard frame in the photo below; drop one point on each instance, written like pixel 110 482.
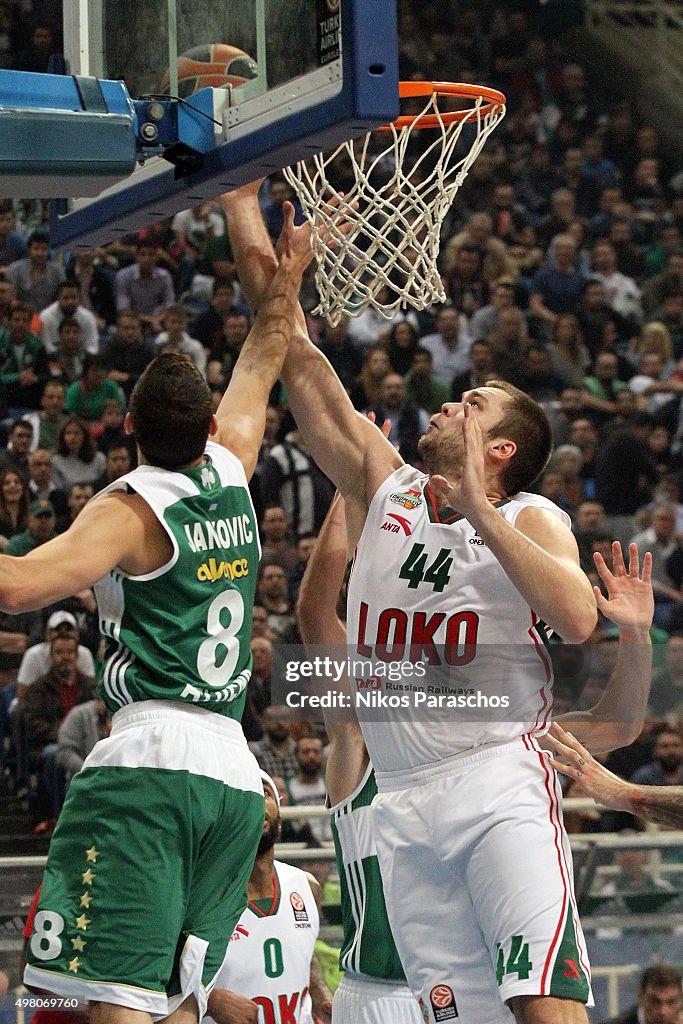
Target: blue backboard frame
pixel 368 98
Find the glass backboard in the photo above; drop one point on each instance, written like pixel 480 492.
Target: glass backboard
pixel 303 75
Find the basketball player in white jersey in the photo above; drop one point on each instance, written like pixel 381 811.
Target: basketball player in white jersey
pixel 270 973
pixel 467 819
pixel 374 989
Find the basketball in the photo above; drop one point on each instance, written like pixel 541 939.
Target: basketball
pixel 211 65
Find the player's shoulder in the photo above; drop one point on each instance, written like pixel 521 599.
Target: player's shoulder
pixel 523 500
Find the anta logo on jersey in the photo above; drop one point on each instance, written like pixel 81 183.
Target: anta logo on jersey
pixel 443 1003
pixel 477 540
pixel 399 523
pixel 299 909
pixel 212 570
pixel 239 932
pixel 408 499
pixel 572 970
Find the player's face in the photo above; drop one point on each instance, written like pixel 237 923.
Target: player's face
pixel 443 446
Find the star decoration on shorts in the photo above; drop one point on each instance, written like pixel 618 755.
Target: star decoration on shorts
pixel 74 965
pixel 78 943
pixel 82 922
pixel 86 900
pixel 87 877
pixel 92 854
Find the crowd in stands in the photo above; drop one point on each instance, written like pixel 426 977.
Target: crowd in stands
pixel 562 260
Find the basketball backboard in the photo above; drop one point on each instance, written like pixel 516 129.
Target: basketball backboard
pixel 322 71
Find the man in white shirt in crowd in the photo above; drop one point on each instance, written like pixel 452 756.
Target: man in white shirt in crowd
pixel 67 307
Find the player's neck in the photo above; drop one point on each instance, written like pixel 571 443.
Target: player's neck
pixel 261 884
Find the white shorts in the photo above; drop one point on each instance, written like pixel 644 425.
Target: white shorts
pixel 478 883
pixel 361 1000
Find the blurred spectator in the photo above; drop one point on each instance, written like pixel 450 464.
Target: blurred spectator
pixel 280 193
pixel 478 236
pixel 568 355
pixel 367 390
pixel 41 483
pixel 86 397
pixel 666 767
pixel 480 370
pixel 83 727
pixel 41 528
pixel 144 287
pixel 117 465
pixel 36 660
pixel 41 47
pixel 557 287
pixel 77 498
pixel 622 293
pixel 659 998
pixel 36 278
pixel 50 418
pixel 588 525
pixel 466 284
pixel 176 339
pixel 558 220
pixel 13 245
pixel 46 703
pixel 651 383
pixel 223 356
pixel 272 594
pixel 67 362
pixel 343 355
pixel 669 280
pixel 200 223
pixel 290 479
pixel 67 307
pixel 275 752
pixel 372 328
pixel 14 502
pixel 23 361
pixel 305 546
pixel 625 476
pixel 16 455
pixel 401 345
pixel 667 561
pixel 422 386
pixel 568 462
pixel 275 541
pixel 486 320
pixel 668 244
pixel 93 273
pixel 449 345
pixel 127 352
pixel 654 337
pixel 307 788
pixel 77 460
pixel 208 327
pixel 603 385
pixel 408 421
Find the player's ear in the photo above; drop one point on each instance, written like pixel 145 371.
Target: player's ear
pixel 213 426
pixel 128 424
pixel 502 450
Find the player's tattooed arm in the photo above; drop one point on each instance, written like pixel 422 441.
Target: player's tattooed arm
pixel 321 996
pixel 662 805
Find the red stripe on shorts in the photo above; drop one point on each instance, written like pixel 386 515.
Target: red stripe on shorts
pixel 553 807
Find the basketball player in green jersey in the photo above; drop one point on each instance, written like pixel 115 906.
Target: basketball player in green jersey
pixel 148 867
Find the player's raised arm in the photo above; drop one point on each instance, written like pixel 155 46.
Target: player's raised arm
pixel 347 448
pixel 242 413
pixel 617 719
pixel 320 625
pixel 103 535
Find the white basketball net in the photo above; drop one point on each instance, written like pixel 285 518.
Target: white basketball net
pixel 387 258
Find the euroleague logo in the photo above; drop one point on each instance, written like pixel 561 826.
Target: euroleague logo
pixel 443 1003
pixel 298 908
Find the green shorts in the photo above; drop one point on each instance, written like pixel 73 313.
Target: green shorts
pixel 148 866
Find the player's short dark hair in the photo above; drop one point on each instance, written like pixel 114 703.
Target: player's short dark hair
pixel 525 423
pixel 171 410
pixel 660 976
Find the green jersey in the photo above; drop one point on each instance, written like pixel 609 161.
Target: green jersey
pixel 182 633
pixel 368 946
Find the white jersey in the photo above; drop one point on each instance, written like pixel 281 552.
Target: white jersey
pixel 269 954
pixel 446 653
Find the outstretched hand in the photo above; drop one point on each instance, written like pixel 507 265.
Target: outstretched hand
pixel 630 601
pixel 594 780
pixel 293 247
pixel 469 494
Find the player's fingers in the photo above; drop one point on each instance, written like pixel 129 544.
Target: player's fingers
pixel 566 769
pixel 633 562
pixel 440 489
pixel 386 428
pixel 600 600
pixel 371 416
pixel 647 567
pixel 618 564
pixel 603 571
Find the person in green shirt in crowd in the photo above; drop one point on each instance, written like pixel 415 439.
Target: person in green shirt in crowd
pixel 86 397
